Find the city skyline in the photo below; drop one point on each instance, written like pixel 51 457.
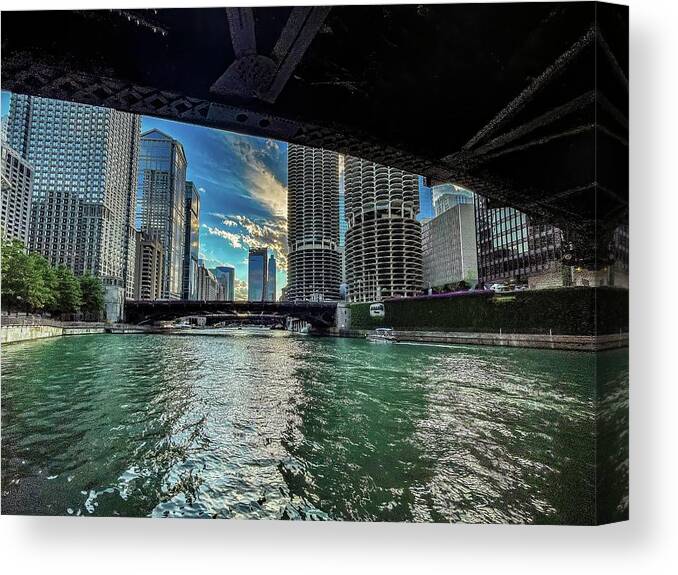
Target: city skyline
pixel 242 182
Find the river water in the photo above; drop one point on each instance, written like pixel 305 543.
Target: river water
pixel 265 424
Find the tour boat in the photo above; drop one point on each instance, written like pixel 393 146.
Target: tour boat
pixel 382 335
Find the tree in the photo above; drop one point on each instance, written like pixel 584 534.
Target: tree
pixel 14 269
pixel 68 294
pixel 42 283
pixel 92 294
pixel 27 279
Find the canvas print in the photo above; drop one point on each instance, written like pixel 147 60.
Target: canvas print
pixel 349 263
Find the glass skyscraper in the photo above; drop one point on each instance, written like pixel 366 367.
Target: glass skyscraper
pixel 161 203
pixel 191 242
pixel 425 201
pixel 85 169
pixel 509 246
pixel 226 277
pixel 257 274
pixel 270 284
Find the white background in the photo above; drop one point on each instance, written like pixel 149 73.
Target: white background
pixel 645 544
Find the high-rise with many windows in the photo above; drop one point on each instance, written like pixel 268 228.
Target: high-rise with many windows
pixel 314 262
pixel 191 242
pixel 510 246
pixel 449 247
pixel 226 277
pixel 17 190
pixel 161 203
pixel 257 274
pixel 383 241
pixel 85 168
pixel 271 283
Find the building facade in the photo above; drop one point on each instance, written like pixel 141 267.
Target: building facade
pixel 17 192
pixel 446 196
pixel 191 242
pixel 509 247
pixel 84 162
pixel 226 277
pixel 208 286
pixel 257 274
pixel 313 204
pixel 161 204
pixel 425 201
pixel 271 279
pixel 449 247
pixel 149 268
pixel 383 241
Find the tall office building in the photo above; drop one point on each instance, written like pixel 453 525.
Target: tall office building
pixel 226 277
pixel 257 274
pixel 449 247
pixel 161 203
pixel 17 190
pixel 149 268
pixel 191 242
pixel 383 241
pixel 84 162
pixel 271 283
pixel 208 285
pixel 510 247
pixel 446 196
pixel 425 201
pixel 314 262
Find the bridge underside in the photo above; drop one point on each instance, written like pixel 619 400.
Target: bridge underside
pixel 526 103
pixel 320 315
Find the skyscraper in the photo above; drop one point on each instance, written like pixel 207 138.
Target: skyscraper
pixel 161 203
pixel 425 201
pixel 270 284
pixel 449 247
pixel 226 277
pixel 191 242
pixel 383 241
pixel 257 274
pixel 17 190
pixel 85 170
pixel 446 196
pixel 314 262
pixel 510 247
pixel 149 268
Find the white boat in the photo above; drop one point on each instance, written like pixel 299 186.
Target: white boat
pixel 382 335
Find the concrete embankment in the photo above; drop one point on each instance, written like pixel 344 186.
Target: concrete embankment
pixel 14 333
pixel 542 341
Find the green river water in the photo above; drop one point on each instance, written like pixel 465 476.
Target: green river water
pixel 265 424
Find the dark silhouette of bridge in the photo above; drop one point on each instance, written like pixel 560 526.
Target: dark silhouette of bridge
pixel 320 315
pixel 525 103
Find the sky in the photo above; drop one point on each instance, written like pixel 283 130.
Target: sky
pixel 243 191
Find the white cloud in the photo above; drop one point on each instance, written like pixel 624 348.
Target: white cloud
pixel 261 183
pixel 245 232
pixel 240 289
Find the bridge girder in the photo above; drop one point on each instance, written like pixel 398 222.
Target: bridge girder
pixel 526 103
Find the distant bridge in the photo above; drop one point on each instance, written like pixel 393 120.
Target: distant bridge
pixel 319 314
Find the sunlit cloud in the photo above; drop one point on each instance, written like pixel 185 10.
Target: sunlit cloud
pixel 240 289
pixel 260 181
pixel 246 232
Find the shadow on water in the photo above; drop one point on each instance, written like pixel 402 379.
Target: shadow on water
pixel 273 426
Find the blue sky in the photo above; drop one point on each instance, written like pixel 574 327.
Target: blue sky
pixel 243 186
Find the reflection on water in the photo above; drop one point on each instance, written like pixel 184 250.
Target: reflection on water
pixel 269 425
